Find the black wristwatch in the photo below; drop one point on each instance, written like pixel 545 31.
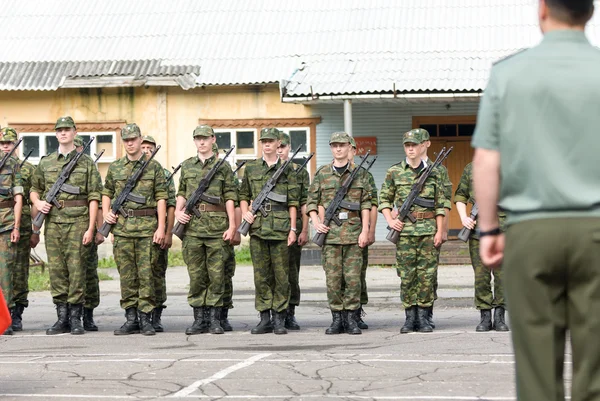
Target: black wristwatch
pixel 494 232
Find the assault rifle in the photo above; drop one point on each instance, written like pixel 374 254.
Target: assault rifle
pixel 239 165
pixel 127 194
pixel 191 205
pixel 465 232
pixel 26 157
pixel 331 213
pixel 175 170
pixel 267 193
pixel 304 163
pixel 413 196
pixel 98 156
pixel 61 185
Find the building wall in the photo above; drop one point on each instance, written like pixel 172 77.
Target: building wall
pixel 386 121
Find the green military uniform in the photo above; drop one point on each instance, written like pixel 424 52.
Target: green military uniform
pixel 485 299
pixel 415 251
pixel 204 250
pixel 342 258
pixel 64 229
pixel 268 235
pixel 134 250
pixel 10 186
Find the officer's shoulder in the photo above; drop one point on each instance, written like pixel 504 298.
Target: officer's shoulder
pixel 511 57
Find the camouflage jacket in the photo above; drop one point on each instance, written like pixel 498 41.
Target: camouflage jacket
pixel 445 182
pixel 276 226
pixel 396 187
pixel 325 185
pixel 222 186
pixel 172 195
pixel 303 184
pixel 12 184
pixel 85 176
pixel 151 185
pixel 374 198
pixel 465 194
pixel 26 176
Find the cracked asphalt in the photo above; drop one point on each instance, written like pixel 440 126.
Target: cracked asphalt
pixel 453 363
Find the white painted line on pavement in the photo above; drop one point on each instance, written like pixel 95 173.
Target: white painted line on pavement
pixel 282 396
pixel 170 360
pixel 219 375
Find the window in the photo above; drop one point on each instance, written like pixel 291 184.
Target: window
pixel 448 129
pixel 299 138
pixel 43 143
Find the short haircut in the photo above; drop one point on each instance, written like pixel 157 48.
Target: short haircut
pixel 572 12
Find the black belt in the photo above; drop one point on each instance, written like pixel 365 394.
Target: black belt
pixel 274 207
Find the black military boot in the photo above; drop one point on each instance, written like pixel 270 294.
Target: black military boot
pixel 224 321
pixel 430 317
pixel 361 324
pixel 88 320
pixel 75 314
pixel 486 320
pixel 290 319
pixel 146 323
pixel 423 320
pixel 8 331
pixel 499 323
pixel 410 324
pixel 279 322
pixel 337 326
pixel 156 319
pixel 264 326
pixel 16 314
pixel 215 321
pixel 199 326
pixel 351 317
pixel 131 325
pixel 62 324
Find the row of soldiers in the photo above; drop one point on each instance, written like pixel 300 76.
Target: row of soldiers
pixel 274 200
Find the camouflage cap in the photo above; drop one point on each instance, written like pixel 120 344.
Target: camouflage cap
pixel 215 148
pixel 424 132
pixel 8 134
pixel 270 134
pixel 149 139
pixel 65 122
pixel 413 136
pixel 285 139
pixel 203 130
pixel 340 137
pixel 131 131
pixel 78 141
pixel 353 142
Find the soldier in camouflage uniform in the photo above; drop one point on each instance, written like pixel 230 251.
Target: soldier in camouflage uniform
pixel 485 299
pixel 295 250
pixel 160 271
pixel 11 204
pixel 364 297
pixel 92 283
pixel 20 276
pixel 342 253
pixel 139 236
pixel 270 236
pixel 70 229
pixel 206 236
pixel 230 258
pixel 416 256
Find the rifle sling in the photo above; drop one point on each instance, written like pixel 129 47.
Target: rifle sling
pixel 428 203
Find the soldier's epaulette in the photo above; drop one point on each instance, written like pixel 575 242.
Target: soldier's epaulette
pixel 509 56
pixel 321 168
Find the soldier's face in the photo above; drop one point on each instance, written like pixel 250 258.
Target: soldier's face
pixel 133 146
pixel 204 144
pixel 147 148
pixel 340 151
pixel 6 146
pixel 283 151
pixel 65 135
pixel 413 151
pixel 269 146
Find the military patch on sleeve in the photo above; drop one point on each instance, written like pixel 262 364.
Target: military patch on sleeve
pixel 509 56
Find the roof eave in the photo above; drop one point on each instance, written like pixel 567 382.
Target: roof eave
pixel 461 96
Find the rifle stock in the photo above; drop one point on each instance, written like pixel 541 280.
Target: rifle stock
pixel 465 232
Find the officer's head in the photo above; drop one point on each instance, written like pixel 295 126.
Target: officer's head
pixel 8 137
pixel 148 144
pixel 560 14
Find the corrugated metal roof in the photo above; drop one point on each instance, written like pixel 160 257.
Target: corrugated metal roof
pixel 265 41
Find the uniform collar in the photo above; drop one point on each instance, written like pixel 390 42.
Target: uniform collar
pixel 565 35
pixel 141 159
pixel 207 161
pixel 67 156
pixel 276 165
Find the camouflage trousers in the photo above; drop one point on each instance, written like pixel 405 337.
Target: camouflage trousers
pixel 484 298
pixel 438 251
pixel 135 259
pixel 229 273
pixel 364 297
pixel 92 284
pixel 67 261
pixel 295 252
pixel 205 260
pixel 8 254
pixel 20 275
pixel 416 259
pixel 342 265
pixel 160 277
pixel 270 259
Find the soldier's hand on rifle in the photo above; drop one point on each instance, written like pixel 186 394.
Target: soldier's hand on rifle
pixel 110 218
pixel 99 238
pixel 88 237
pixel 321 228
pixel 363 239
pixel 396 224
pixel 237 238
pixel 159 236
pixel 438 239
pixel 229 234
pixel 182 217
pixel 249 217
pixel 303 238
pixel 468 222
pixel 292 238
pixel 34 240
pixel 15 235
pixel 395 214
pixel 43 206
